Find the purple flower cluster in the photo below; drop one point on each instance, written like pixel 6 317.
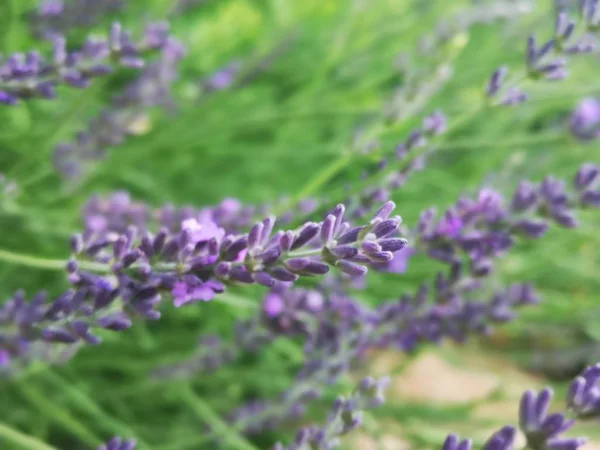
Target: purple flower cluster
pixel 338 330
pixel 345 415
pixel 117 443
pixel 24 76
pixel 117 212
pixel 547 61
pixel 583 398
pixel 27 327
pixel 543 431
pixel 119 276
pixel 483 228
pixel 197 261
pixel 59 16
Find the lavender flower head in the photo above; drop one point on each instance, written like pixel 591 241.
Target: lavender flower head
pixel 345 415
pixel 584 122
pixel 542 430
pixel 117 443
pixel 583 397
pixel 25 76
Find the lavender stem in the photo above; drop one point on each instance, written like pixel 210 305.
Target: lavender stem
pixel 22 440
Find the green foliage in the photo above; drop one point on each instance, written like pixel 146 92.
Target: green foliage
pixel 257 142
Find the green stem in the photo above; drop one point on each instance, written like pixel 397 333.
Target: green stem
pixel 86 403
pixel 31 261
pixel 58 415
pixel 211 418
pixel 24 441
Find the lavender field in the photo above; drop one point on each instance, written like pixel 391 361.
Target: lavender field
pixel 299 224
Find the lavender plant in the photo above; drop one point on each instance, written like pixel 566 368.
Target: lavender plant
pixel 24 76
pixel 309 270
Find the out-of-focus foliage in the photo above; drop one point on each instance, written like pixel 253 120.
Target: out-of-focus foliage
pixel 311 74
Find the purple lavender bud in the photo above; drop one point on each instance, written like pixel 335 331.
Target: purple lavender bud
pixel 528 418
pixel 254 237
pixel 117 443
pixel 58 335
pixel 240 275
pixel 268 225
pixel 381 257
pixel 501 440
pixel 370 247
pixel 350 236
pixel 269 256
pixel 306 234
pixel 586 176
pixel 344 251
pixel 286 241
pixel 264 279
pixel 71 266
pixel 554 70
pixel 585 119
pixel 384 212
pixel 281 274
pixel 159 241
pixel 297 264
pixel 563 218
pixel 115 322
pixel 350 268
pixel 525 197
pixel 233 250
pixel 452 443
pixel 75 79
pixel 591 198
pixel 222 269
pixel 392 244
pixel 120 247
pixel 415 139
pixel 386 227
pixel 434 124
pixel 327 229
pixel 513 96
pixel 316 268
pixel 495 82
pixel 532 228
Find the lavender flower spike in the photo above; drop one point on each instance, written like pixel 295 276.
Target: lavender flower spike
pixel 542 430
pixel 345 415
pixel 198 261
pixel 25 76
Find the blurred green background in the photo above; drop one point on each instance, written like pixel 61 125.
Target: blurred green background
pixel 321 70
